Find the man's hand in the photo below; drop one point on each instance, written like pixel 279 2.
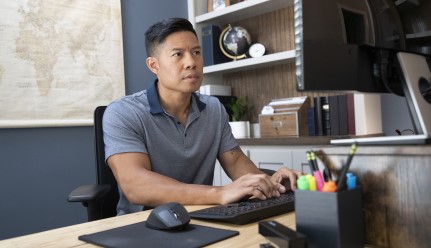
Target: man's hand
pixel 286 178
pixel 250 185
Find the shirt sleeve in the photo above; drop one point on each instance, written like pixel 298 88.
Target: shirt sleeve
pixel 121 130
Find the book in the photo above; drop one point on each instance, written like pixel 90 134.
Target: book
pixel 334 116
pixel 318 120
pixel 326 118
pixel 211 51
pixel 311 122
pixel 343 122
pixel 351 128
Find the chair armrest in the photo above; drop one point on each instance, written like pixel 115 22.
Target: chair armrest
pixel 87 193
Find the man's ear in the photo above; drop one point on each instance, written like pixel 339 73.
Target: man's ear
pixel 153 64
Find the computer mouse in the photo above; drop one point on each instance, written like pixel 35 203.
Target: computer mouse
pixel 168 216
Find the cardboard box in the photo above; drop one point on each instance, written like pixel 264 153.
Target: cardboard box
pixel 287 120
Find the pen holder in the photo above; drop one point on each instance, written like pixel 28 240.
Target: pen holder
pixel 330 219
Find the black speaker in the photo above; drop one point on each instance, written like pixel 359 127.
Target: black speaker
pixel 211 51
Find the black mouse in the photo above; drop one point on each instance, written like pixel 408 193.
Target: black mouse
pixel 169 216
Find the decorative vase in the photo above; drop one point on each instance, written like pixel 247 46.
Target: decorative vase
pixel 240 129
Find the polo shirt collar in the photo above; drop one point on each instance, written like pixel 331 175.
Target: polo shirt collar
pixel 154 101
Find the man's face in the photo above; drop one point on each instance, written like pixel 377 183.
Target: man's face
pixel 178 63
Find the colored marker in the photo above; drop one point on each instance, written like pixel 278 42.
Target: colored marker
pixel 319 180
pixel 313 160
pixel 302 183
pixel 317 174
pixel 310 162
pixel 311 182
pixel 342 179
pixel 329 186
pixel 351 181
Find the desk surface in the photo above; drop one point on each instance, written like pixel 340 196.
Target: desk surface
pixel 68 236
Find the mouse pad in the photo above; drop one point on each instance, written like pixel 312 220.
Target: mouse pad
pixel 139 235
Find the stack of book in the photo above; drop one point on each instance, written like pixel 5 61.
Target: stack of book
pixel 332 116
pixel 352 114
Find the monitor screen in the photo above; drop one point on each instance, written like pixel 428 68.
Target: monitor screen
pixel 351 45
pixel 367 46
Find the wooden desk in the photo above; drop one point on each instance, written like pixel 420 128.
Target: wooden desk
pixel 68 236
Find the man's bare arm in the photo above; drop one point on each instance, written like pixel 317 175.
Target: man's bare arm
pixel 236 163
pixel 144 187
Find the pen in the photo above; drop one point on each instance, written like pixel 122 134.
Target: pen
pixel 327 175
pixel 310 162
pixel 345 168
pixel 313 161
pixel 316 173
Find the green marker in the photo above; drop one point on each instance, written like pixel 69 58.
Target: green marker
pixel 302 183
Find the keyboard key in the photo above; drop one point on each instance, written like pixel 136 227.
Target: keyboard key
pixel 248 211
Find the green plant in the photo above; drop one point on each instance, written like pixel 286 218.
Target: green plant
pixel 238 107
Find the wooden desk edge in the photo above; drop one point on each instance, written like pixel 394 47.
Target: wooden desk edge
pixel 68 236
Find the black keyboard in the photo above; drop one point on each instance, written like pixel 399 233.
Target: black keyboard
pixel 248 211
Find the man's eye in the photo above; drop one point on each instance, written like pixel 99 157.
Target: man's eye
pixel 176 54
pixel 197 52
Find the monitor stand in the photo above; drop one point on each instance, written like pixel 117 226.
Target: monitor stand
pixel 417 78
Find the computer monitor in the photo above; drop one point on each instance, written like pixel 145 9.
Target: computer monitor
pixel 376 46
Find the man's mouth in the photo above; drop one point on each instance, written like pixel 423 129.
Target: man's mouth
pixel 192 76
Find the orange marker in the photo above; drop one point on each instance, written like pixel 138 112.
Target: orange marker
pixel 329 187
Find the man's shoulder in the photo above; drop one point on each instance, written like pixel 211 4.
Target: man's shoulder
pixel 133 103
pixel 138 98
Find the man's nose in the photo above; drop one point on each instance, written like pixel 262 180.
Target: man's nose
pixel 190 61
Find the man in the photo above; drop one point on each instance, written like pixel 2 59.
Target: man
pixel 162 143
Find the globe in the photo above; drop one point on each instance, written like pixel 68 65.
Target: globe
pixel 235 42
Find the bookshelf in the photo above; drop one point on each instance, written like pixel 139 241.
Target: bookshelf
pixel 271 76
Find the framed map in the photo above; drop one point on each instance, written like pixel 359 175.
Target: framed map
pixel 58 61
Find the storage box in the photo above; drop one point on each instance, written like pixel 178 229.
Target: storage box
pixel 330 219
pixel 287 120
pixel 215 90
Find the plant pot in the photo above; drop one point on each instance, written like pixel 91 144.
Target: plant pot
pixel 240 129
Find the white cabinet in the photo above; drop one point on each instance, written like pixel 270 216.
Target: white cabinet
pixel 299 161
pixel 270 157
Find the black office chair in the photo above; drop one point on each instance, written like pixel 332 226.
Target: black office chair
pixel 100 199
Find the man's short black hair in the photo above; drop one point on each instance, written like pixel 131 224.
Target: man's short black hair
pixel 157 33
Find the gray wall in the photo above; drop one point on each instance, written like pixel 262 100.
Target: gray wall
pixel 40 166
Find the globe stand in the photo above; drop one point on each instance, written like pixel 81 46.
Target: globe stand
pixel 231 54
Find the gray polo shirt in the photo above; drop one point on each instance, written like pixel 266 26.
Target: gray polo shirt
pixel 138 123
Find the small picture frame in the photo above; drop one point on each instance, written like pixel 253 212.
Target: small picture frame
pixel 217 4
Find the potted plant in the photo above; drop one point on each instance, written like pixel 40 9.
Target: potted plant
pixel 239 108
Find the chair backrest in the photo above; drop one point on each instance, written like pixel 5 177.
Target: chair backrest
pixel 104 174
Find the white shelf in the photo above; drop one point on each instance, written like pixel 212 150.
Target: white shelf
pixel 425 34
pixel 251 63
pixel 199 16
pixel 242 10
